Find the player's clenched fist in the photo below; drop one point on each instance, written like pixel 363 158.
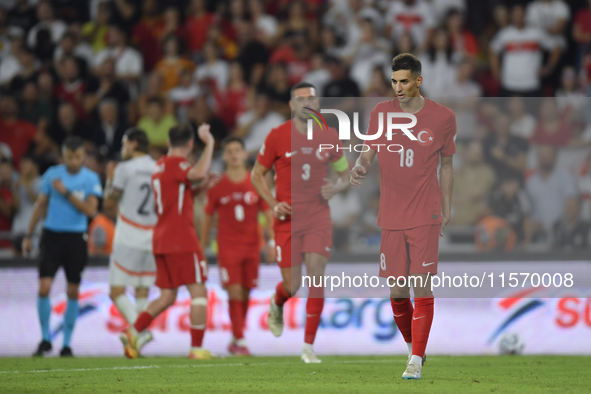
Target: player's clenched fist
pixel 204 134
pixel 281 210
pixel 357 173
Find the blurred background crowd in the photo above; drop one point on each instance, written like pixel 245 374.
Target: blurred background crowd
pixel 517 73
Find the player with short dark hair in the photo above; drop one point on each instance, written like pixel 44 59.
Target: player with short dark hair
pixel 129 185
pixel 238 205
pixel 179 259
pixel 309 238
pixel 69 195
pixel 414 206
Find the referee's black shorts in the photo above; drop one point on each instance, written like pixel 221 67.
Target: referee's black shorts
pixel 69 250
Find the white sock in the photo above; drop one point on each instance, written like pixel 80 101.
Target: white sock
pixel 240 342
pixel 417 360
pixel 409 347
pixel 307 346
pixel 195 348
pixel 140 304
pixel 123 303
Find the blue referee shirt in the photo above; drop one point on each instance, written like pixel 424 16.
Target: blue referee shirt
pixel 62 216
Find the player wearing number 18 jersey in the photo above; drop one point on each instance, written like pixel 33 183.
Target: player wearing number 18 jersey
pixel 302 190
pixel 414 206
pixel 179 260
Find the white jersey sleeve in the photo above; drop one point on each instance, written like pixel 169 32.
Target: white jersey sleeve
pixel 137 210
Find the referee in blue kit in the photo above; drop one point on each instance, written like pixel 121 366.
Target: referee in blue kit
pixel 69 195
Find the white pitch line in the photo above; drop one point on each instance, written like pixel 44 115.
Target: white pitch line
pixel 179 366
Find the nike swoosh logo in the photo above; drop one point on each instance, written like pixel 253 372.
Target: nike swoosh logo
pixel 290 154
pixel 395 315
pixel 417 318
pixel 425 265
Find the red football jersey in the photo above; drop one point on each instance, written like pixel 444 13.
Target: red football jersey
pixel 174 232
pixel 409 189
pixel 300 169
pixel 238 206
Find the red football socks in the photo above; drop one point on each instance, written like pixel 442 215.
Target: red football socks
pixel 143 321
pixel 237 318
pixel 197 336
pixel 280 295
pixel 403 312
pixel 245 305
pixel 421 325
pixel 314 308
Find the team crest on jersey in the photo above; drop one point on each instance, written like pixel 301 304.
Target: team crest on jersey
pixel 184 165
pixel 250 198
pixel 322 156
pixel 425 137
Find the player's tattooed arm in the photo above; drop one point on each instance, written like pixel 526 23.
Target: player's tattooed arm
pixel 362 166
pixel 446 180
pixel 200 170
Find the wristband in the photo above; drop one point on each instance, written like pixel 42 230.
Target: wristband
pixel 271 242
pixel 67 194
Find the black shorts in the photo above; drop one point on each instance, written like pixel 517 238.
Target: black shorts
pixel 69 250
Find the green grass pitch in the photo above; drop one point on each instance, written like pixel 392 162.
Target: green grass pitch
pixel 337 374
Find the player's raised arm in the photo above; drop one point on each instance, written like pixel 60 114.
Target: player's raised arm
pixel 362 166
pixel 446 180
pixel 201 168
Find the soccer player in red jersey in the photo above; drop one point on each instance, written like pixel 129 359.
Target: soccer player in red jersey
pixel 305 191
pixel 237 204
pixel 179 259
pixel 414 205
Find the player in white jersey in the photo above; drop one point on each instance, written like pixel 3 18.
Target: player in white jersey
pixel 132 262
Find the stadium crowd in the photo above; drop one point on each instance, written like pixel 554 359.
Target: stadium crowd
pixel 517 74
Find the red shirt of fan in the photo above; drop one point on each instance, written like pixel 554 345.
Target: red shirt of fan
pixel 300 168
pixel 238 206
pixel 174 232
pixel 409 189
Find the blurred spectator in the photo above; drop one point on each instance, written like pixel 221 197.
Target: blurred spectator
pixel 106 86
pixel 553 127
pixel 184 95
pixel 22 15
pixel 571 232
pixel 214 72
pixel 201 113
pixel 146 34
pixel 67 123
pixel 109 131
pixel 550 15
pixel 405 44
pixel 503 151
pixel 340 85
pixel 411 16
pixel 584 184
pixel 197 23
pixel 345 208
pixel 72 88
pixel 27 70
pixel 438 66
pixel 95 31
pixel 172 65
pixel 69 47
pixel 330 44
pixel 521 49
pixel 511 202
pixel 154 90
pixel 581 32
pixel 6 32
pixel 101 231
pixel 17 134
pixel 473 181
pixel 279 89
pixel 253 55
pixel 231 102
pixel 319 75
pixel 297 25
pixel 295 53
pixel 47 21
pixel 71 11
pixel 523 124
pixel 26 191
pixel 462 41
pixel 156 122
pixel 32 109
pixel 6 200
pixel 569 97
pixel 548 188
pixel 227 46
pixel 254 125
pixel 172 25
pixel 464 96
pixel 378 86
pixel 10 66
pixel 128 61
pixel 265 25
pixel 369 52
